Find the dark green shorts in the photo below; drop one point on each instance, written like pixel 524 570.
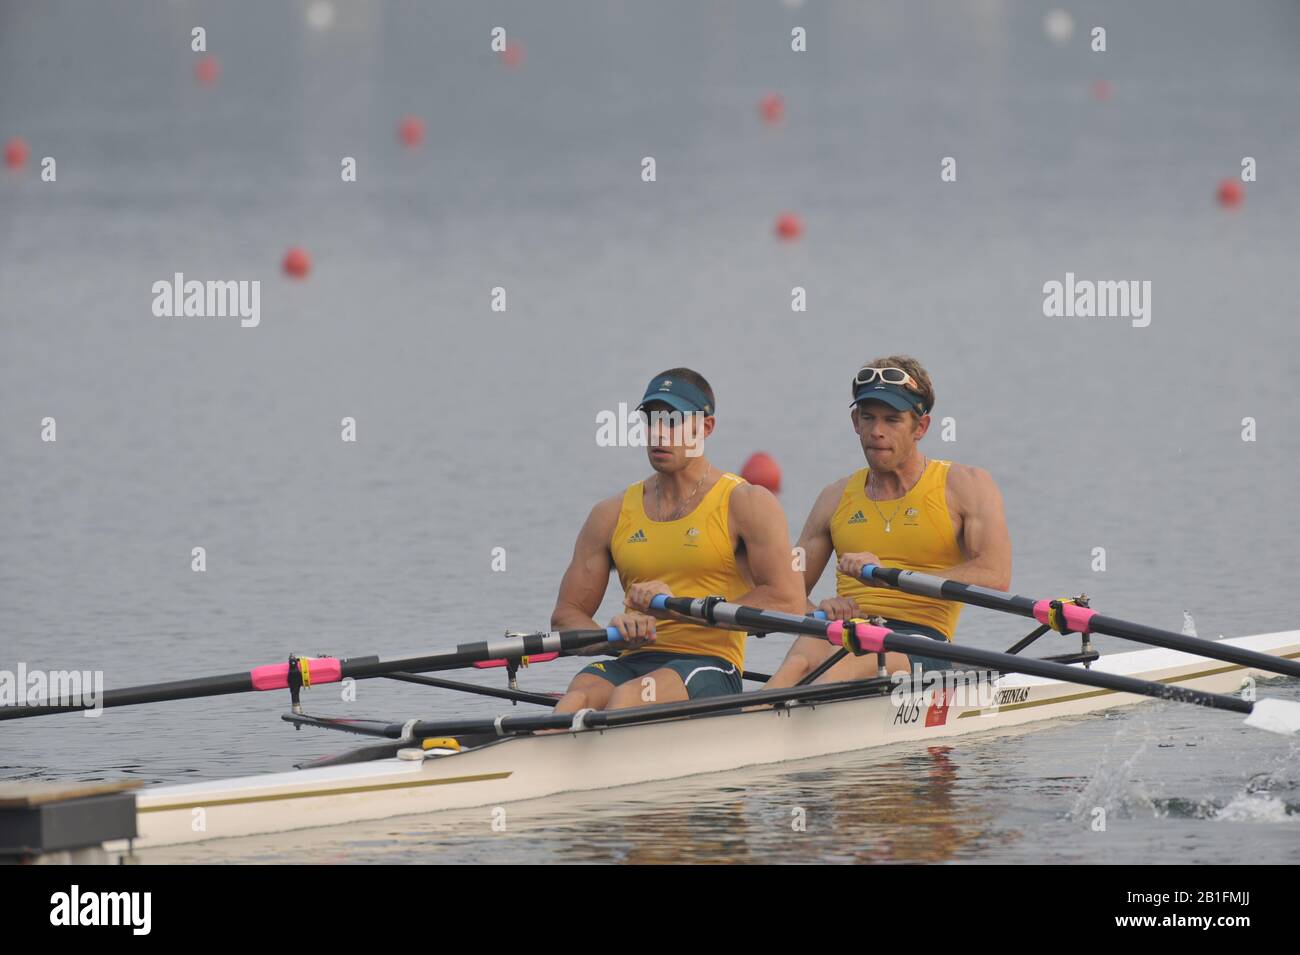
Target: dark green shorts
pixel 703 676
pixel 927 663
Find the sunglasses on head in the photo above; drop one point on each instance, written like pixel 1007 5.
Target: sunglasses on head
pixel 890 376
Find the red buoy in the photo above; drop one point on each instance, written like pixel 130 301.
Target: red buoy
pixel 411 131
pixel 789 226
pixel 16 153
pixel 772 108
pixel 513 55
pixel 1230 193
pixel 762 469
pixel 297 263
pixel 1102 91
pixel 206 70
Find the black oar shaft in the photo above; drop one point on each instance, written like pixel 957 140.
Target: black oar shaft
pixel 1197 645
pixel 924 585
pixel 992 660
pixel 323 670
pixel 470 653
pixel 148 693
pixel 724 612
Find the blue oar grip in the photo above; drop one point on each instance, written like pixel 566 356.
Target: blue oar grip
pixel 866 571
pixel 819 614
pixel 613 634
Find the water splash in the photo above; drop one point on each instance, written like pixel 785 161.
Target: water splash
pixel 1257 807
pixel 1112 786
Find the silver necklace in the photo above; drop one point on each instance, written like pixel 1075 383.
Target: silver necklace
pixel 659 503
pixel 889 521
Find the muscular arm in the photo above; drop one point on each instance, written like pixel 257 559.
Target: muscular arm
pixel 815 539
pixel 985 541
pixel 761 526
pixel 583 586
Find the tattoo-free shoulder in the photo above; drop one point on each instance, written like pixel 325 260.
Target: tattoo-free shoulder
pixel 604 514
pixel 966 484
pixel 749 495
pixel 830 495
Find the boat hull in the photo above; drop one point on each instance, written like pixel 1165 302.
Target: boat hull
pixel 522 768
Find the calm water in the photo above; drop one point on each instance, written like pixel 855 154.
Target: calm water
pixel 476 429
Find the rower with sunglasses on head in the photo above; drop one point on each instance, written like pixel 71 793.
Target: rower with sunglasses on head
pixel 904 509
pixel 689 530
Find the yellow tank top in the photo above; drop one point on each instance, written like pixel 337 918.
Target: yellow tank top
pixel 921 539
pixel 694 556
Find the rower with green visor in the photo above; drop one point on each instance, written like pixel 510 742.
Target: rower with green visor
pixel 689 529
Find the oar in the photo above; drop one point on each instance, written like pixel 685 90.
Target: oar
pixel 1067 617
pixel 308 671
pixel 1279 716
